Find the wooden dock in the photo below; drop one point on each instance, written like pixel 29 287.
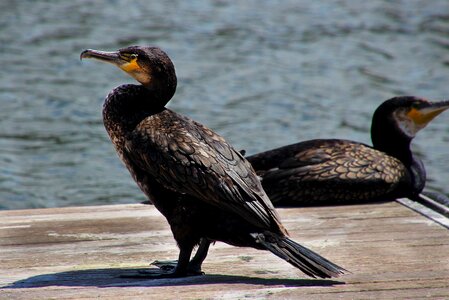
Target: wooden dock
pixel 79 252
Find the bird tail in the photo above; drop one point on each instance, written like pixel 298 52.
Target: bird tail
pixel 311 263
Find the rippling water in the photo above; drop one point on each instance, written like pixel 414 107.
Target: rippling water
pixel 261 73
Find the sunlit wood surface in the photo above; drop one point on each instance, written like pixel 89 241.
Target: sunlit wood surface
pixel 80 252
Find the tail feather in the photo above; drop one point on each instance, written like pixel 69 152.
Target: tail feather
pixel 309 262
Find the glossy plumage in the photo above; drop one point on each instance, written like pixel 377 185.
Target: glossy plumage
pixel 332 171
pixel 206 190
pixel 326 171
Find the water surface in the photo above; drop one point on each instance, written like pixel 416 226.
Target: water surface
pixel 261 73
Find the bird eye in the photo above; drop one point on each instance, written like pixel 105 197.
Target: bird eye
pixel 129 56
pixel 417 105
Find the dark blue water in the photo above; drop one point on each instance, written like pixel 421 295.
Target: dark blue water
pixel 261 73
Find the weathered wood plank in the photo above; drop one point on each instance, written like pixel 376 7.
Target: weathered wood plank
pixel 79 252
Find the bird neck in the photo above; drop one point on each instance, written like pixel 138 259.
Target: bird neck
pixel 418 176
pixel 388 137
pixel 161 91
pixel 396 144
pixel 127 105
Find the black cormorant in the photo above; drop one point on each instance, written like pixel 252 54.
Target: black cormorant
pixel 204 188
pixel 333 171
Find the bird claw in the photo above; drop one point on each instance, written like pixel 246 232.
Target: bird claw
pixel 170 265
pixel 165 265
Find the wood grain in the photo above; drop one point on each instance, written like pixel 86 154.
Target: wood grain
pixel 79 252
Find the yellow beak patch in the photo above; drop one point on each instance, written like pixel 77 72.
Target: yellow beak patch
pixel 130 66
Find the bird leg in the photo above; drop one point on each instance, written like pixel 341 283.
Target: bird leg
pixel 194 265
pixel 200 256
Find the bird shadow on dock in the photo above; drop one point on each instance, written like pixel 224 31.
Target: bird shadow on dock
pixel 112 277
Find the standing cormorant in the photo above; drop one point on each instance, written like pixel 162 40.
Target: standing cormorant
pixel 204 188
pixel 332 171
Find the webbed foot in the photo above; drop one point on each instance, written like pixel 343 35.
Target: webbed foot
pixel 165 265
pixel 170 265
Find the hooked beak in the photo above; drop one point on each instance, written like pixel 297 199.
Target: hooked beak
pixel 126 63
pixel 423 115
pixel 110 57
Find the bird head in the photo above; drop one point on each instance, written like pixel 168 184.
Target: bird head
pixel 148 65
pixel 411 114
pixel 397 120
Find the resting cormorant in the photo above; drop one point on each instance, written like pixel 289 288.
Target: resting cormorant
pixel 204 188
pixel 332 171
